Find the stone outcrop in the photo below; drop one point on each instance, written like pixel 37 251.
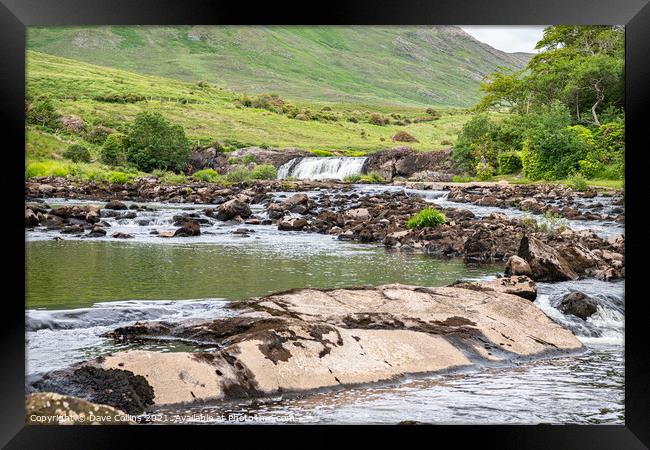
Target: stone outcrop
pixel 405 162
pixel 545 262
pixel 307 339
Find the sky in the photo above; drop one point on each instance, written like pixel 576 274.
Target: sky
pixel 507 38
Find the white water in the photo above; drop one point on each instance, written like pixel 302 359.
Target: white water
pixel 315 168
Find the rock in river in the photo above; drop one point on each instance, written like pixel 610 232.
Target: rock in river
pixel 233 208
pixel 189 228
pixel 307 339
pixel 545 262
pixel 578 304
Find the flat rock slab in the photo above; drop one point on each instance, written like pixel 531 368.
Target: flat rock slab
pixel 308 339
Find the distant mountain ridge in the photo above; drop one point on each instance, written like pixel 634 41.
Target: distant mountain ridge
pixel 423 66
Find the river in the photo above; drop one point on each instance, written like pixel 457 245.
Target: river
pixel 79 288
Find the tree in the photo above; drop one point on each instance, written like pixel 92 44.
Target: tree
pixel 581 66
pixel 154 143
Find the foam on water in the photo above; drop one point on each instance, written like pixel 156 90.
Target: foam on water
pixel 321 168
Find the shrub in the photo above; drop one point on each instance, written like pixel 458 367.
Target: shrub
pixel 77 153
pixel 248 158
pixel 354 178
pixel 207 175
pixel 154 143
pixel 461 179
pixel 403 136
pixel 432 112
pixel 475 138
pixel 553 148
pixel 484 171
pixel 428 217
pixel 509 162
pixel 112 152
pixel 99 134
pixel 233 160
pixel 264 172
pixel 238 175
pixel 377 119
pixel 42 112
pixel 120 177
pixel 578 182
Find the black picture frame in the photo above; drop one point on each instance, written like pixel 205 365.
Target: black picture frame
pixel 15 15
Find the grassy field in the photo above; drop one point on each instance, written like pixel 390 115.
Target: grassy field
pixel 389 65
pixel 210 113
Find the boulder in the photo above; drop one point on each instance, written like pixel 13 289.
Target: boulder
pixel 120 235
pixel 518 266
pixel 233 208
pixel 545 262
pixel 578 304
pixel 292 224
pixel 115 204
pixel 406 162
pixel 306 339
pixel 31 220
pixel 97 231
pixel 49 408
pixel 296 199
pixel 358 214
pixel 116 387
pixel 189 228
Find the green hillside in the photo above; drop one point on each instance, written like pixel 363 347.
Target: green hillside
pixel 112 98
pixel 390 65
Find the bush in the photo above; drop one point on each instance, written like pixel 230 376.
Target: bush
pixel 264 172
pixel 461 179
pixel 578 182
pixel 428 217
pixel 238 175
pixel 154 143
pixel 207 175
pixel 42 112
pixel 77 153
pixel 377 119
pixel 484 171
pixel 473 142
pixel 248 158
pixel 432 112
pixel 403 136
pixel 354 178
pixel 552 149
pixel 99 134
pixel 120 177
pixel 509 162
pixel 112 152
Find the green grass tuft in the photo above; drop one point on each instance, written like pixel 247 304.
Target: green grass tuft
pixel 428 217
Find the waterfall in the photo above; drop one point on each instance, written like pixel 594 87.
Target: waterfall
pixel 321 168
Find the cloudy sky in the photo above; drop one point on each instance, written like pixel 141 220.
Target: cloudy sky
pixel 508 38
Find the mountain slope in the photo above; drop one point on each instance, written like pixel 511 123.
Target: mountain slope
pixel 438 66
